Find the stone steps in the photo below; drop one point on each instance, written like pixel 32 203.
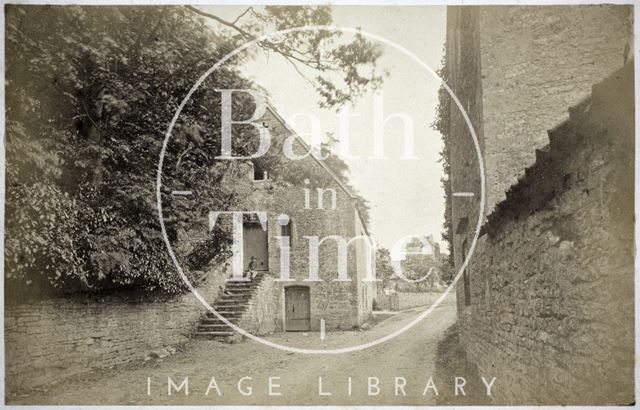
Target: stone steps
pixel 240 307
pixel 234 315
pixel 216 321
pixel 239 284
pixel 217 335
pixel 231 305
pixel 226 300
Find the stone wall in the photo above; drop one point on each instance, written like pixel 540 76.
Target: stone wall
pixel 261 316
pixel 334 302
pixel 515 69
pixel 365 288
pixel 58 338
pixel 406 300
pixel 462 73
pixel 536 61
pixel 550 301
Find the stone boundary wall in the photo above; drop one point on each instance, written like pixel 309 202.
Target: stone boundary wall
pixel 549 310
pixel 58 338
pixel 516 69
pixel 406 300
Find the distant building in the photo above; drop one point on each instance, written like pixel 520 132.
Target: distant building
pixel 417 245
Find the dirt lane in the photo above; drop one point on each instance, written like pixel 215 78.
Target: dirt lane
pixel 400 368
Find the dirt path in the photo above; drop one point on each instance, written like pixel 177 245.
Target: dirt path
pixel 411 357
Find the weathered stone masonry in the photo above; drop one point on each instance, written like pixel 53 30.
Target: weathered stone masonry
pixel 66 337
pixel 58 338
pixel 342 305
pixel 551 282
pixel 547 301
pixel 516 69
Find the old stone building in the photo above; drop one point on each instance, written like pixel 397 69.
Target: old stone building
pixel 297 212
pixel 516 70
pixel 68 336
pixel 546 302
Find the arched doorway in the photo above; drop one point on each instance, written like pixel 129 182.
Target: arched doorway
pixel 297 309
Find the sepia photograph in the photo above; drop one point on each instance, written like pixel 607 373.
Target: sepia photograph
pixel 319 204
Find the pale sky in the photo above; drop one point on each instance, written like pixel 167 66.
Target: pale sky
pixel 405 195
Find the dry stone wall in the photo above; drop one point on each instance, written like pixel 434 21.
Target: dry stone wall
pixel 406 300
pixel 551 302
pixel 58 338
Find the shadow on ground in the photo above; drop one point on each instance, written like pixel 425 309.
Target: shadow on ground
pixel 451 362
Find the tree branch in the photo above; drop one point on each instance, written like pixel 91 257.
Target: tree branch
pixel 182 154
pixel 295 66
pixel 221 21
pixel 277 47
pixel 241 15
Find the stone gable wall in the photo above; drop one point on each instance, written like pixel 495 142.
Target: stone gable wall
pixel 536 61
pixel 339 304
pixel 516 69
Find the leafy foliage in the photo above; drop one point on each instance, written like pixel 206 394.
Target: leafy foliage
pixel 341 70
pixel 90 93
pixel 384 270
pixel 441 123
pixel 416 267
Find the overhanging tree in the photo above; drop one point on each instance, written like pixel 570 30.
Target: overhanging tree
pixel 90 93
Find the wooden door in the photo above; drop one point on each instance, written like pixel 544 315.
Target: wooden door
pixel 255 244
pixel 297 309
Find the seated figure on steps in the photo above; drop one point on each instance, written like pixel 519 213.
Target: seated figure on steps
pixel 253 265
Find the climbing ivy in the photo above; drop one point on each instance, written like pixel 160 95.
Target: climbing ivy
pixel 441 124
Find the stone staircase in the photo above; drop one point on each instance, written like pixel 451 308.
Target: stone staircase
pixel 232 305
